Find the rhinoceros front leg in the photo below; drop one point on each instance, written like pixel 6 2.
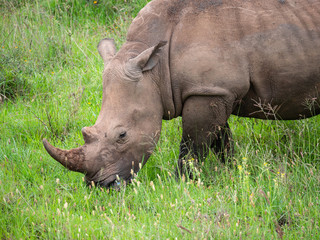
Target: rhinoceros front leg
pixel 223 144
pixel 204 122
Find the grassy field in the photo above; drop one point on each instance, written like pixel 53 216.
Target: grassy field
pixel 51 87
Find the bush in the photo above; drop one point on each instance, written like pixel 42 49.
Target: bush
pixel 102 11
pixel 12 4
pixel 13 73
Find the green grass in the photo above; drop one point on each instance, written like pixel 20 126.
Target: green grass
pixel 269 190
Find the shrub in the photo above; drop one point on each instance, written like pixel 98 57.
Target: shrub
pixel 12 4
pixel 102 11
pixel 13 73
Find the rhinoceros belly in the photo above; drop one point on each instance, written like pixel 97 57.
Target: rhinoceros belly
pixel 284 70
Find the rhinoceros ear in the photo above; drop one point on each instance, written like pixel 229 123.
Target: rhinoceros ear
pixel 107 49
pixel 148 59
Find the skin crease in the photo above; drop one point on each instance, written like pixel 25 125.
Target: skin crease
pixel 202 60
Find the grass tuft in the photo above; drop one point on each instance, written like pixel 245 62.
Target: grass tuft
pixel 14 72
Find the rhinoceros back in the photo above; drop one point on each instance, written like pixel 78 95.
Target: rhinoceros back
pixel 261 53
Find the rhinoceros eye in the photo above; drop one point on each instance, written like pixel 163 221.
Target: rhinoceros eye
pixel 122 135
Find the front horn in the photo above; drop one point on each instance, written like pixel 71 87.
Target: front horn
pixel 71 159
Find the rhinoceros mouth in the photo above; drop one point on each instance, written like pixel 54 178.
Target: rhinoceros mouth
pixel 110 182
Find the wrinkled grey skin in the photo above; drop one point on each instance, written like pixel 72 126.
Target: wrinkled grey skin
pixel 203 60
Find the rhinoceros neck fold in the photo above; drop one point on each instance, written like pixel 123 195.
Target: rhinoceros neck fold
pixel 165 84
pixel 71 159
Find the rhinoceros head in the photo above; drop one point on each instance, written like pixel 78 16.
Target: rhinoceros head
pixel 129 123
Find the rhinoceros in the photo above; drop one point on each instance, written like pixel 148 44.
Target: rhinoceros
pixel 203 60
